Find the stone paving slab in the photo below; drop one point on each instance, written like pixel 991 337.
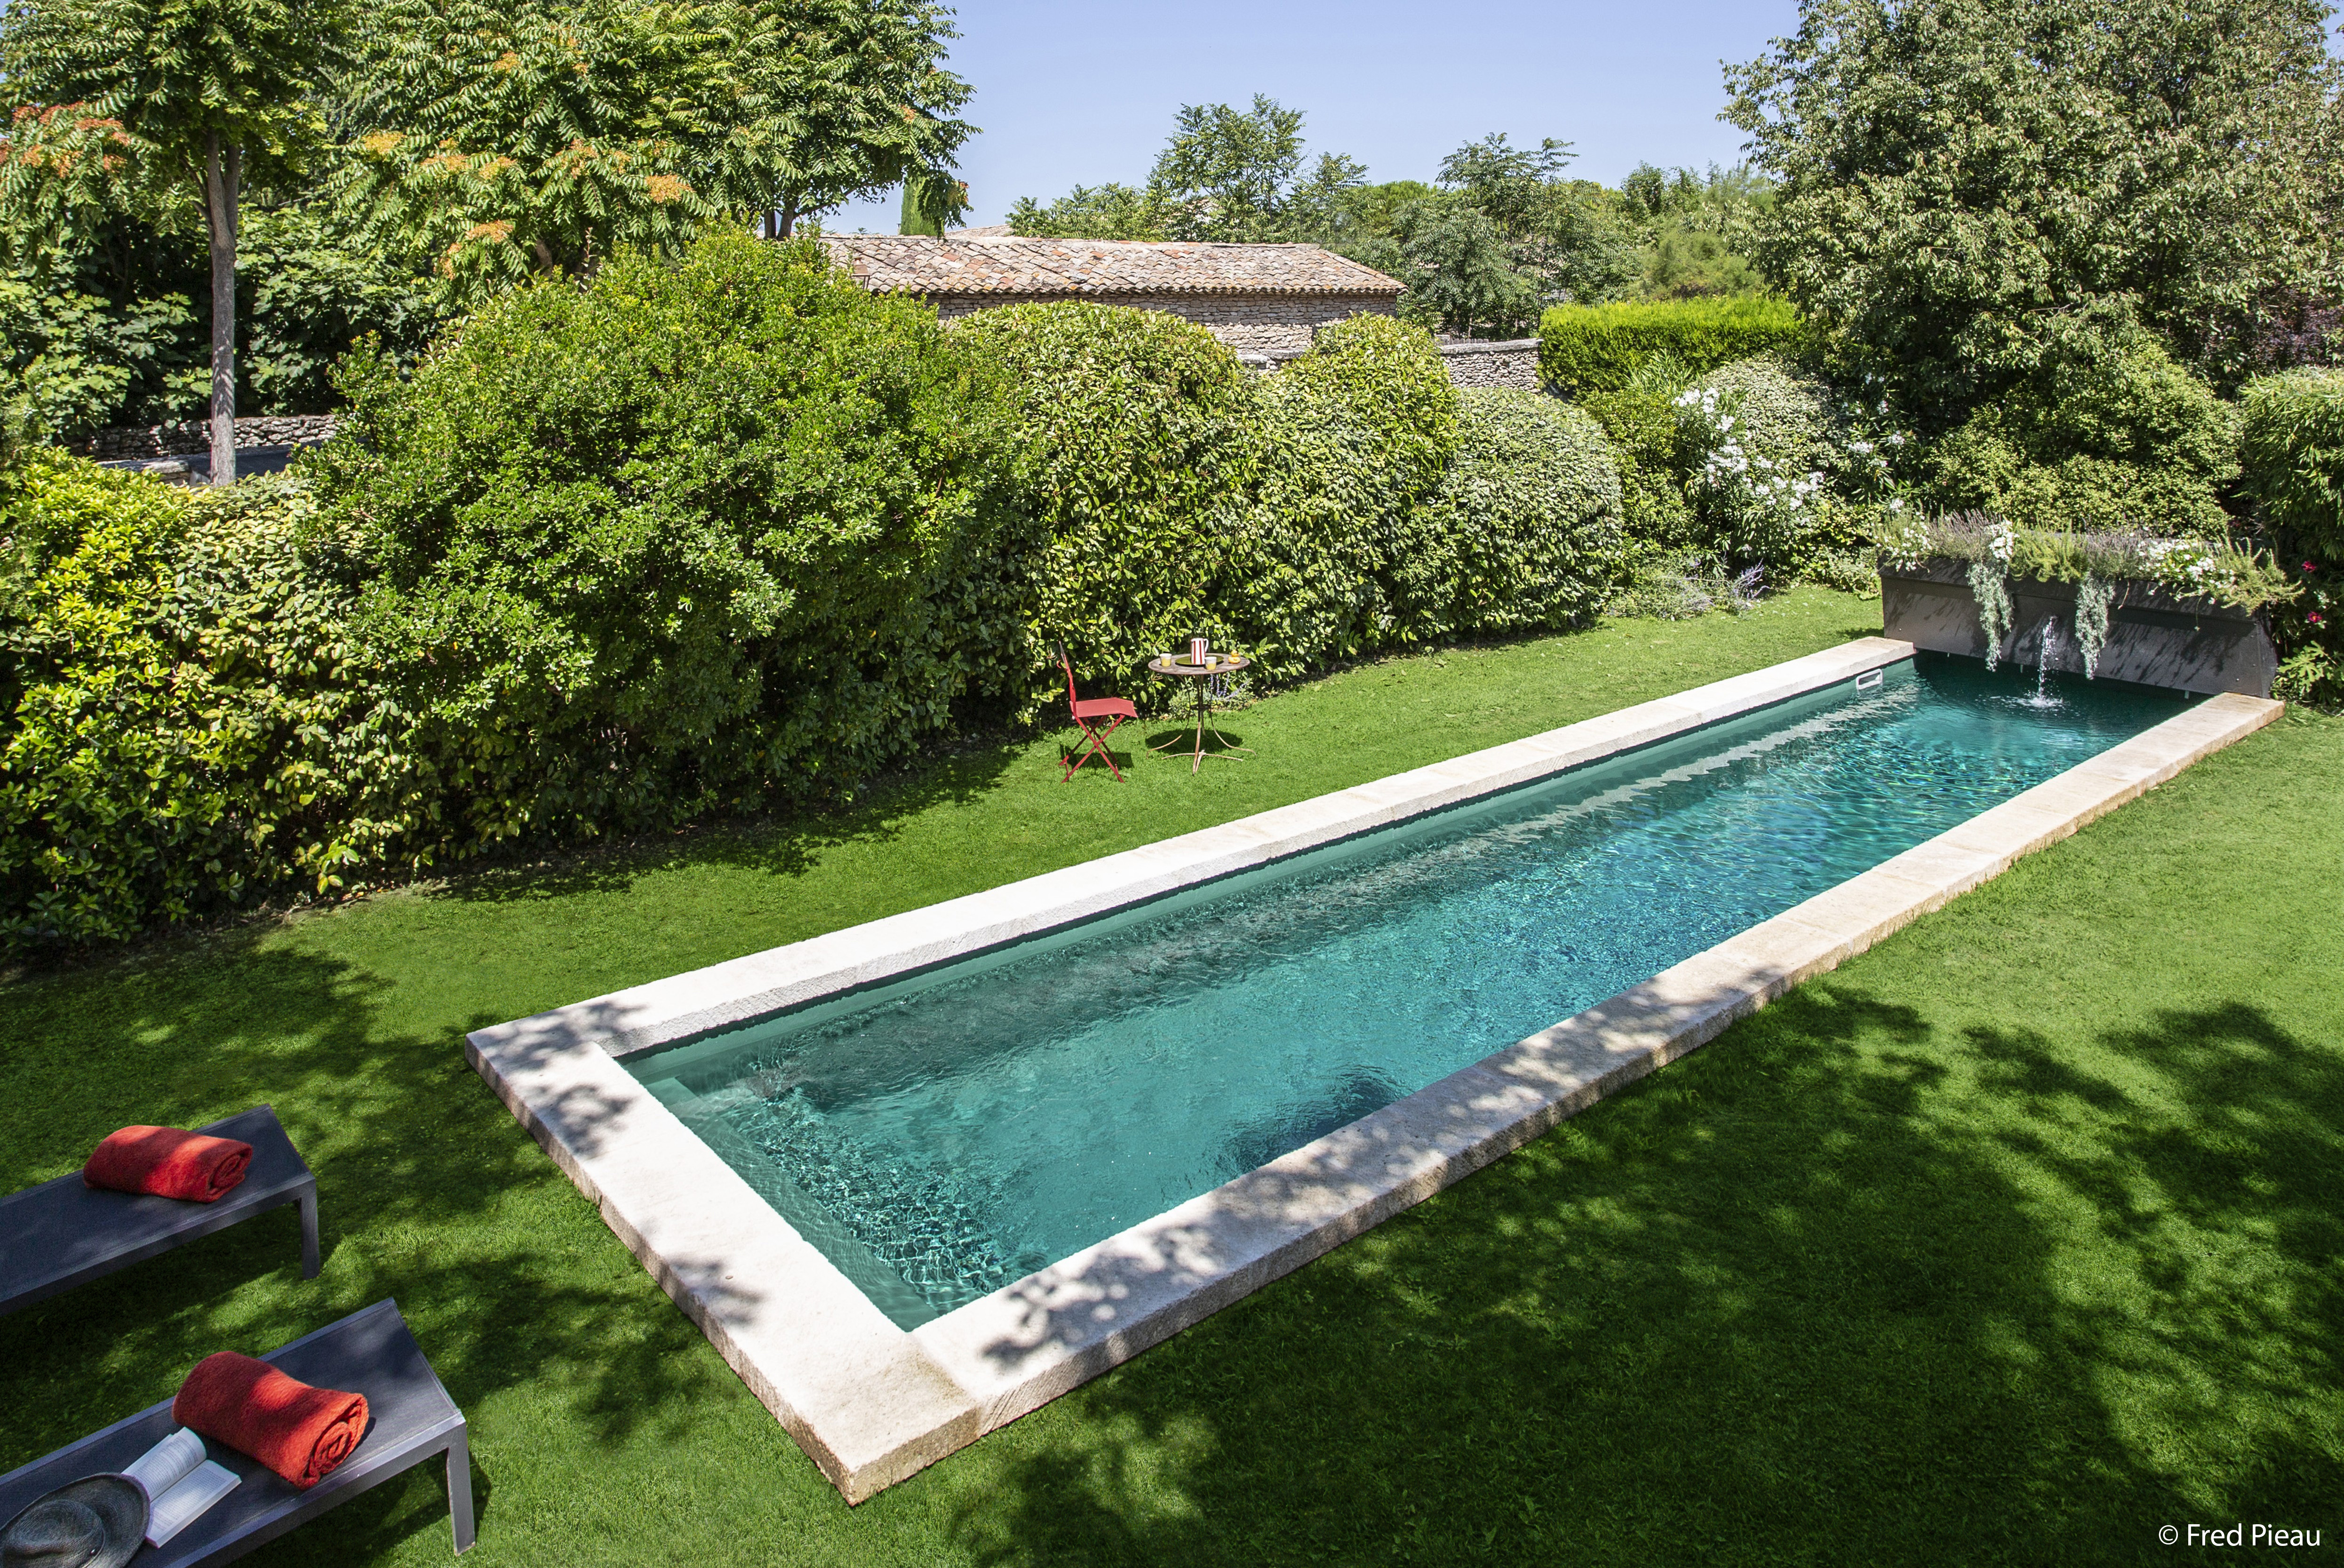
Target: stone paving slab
pixel 872 1403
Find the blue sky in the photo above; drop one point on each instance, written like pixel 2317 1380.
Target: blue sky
pixel 1073 93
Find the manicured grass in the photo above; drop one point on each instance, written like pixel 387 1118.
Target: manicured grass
pixel 2010 1241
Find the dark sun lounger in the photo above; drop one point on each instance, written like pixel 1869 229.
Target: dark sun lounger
pixel 411 1418
pixel 61 1233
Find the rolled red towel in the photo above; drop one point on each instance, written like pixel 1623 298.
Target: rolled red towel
pixel 298 1432
pixel 169 1163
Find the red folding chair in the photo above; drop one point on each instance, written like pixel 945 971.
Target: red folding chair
pixel 1114 710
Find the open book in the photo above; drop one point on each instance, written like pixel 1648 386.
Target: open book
pixel 180 1483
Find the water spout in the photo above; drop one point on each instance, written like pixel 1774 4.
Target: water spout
pixel 2047 648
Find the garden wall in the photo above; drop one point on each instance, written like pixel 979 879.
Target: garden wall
pixel 192 436
pixel 1510 364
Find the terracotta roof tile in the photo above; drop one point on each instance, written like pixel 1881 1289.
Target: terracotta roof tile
pixel 921 264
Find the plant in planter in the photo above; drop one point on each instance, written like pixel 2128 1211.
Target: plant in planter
pixel 2019 577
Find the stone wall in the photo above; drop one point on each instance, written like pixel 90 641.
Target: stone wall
pixel 1248 323
pixel 122 441
pixel 1509 364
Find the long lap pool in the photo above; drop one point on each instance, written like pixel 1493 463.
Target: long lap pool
pixel 946 1134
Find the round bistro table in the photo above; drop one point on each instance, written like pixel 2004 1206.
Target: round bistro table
pixel 1203 675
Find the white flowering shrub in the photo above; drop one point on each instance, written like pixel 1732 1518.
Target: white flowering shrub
pixel 1777 473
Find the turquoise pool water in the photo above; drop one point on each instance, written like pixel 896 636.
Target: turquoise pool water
pixel 944 1135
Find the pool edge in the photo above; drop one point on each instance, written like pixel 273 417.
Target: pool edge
pixel 872 1404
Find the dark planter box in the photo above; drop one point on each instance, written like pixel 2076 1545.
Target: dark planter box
pixel 2154 639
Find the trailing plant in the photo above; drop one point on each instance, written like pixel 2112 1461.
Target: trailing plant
pixel 1991 588
pixel 2094 597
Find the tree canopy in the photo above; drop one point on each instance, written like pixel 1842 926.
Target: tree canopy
pixel 501 143
pixel 1962 181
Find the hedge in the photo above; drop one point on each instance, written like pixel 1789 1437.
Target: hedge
pixel 718 533
pixel 1131 446
pixel 189 726
pixel 1356 435
pixel 1585 349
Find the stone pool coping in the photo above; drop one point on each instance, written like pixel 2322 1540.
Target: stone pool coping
pixel 872 1403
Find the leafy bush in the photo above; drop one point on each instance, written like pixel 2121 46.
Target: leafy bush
pixel 1585 349
pixel 1757 441
pixel 2292 457
pixel 189 726
pixel 2109 434
pixel 1525 532
pixel 1132 452
pixel 703 532
pixel 1640 419
pixel 86 361
pixel 1354 434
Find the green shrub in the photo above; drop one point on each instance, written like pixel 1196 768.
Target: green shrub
pixel 1353 435
pixel 1588 349
pixel 706 532
pixel 2292 461
pixel 1525 532
pixel 1132 452
pixel 1641 420
pixel 187 726
pixel 2109 434
pixel 2291 456
pixel 1757 441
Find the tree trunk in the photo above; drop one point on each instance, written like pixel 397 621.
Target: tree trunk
pixel 788 218
pixel 223 173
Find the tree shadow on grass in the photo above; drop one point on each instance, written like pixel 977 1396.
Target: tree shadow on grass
pixel 1844 1287
pixel 786 845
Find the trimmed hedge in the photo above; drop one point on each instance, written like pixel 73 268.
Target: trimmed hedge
pixel 711 533
pixel 1131 448
pixel 1356 434
pixel 1585 349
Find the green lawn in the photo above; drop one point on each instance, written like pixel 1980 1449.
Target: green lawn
pixel 2011 1241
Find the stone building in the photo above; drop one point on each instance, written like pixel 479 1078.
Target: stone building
pixel 1259 299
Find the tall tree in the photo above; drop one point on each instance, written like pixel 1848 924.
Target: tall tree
pixel 1963 180
pixel 840 99
pixel 1228 173
pixel 126 104
pixel 508 141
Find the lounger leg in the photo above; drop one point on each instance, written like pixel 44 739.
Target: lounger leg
pixel 310 1263
pixel 459 1490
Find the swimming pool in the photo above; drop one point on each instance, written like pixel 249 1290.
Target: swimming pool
pixel 945 1134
